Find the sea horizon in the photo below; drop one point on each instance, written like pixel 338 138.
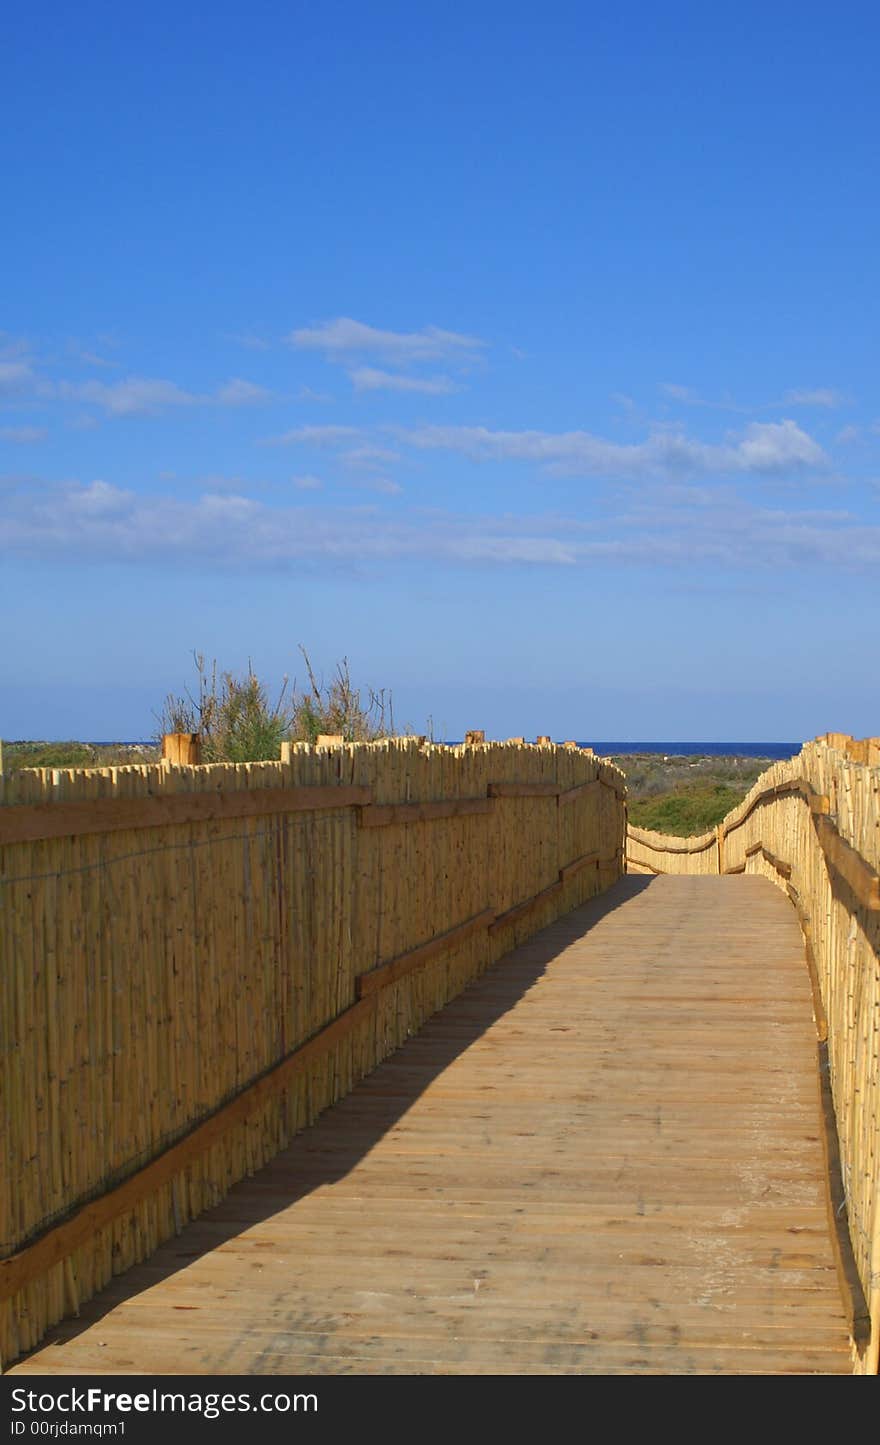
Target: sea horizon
pixel 605 748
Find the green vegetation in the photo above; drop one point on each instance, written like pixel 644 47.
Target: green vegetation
pixel 686 795
pixel 238 722
pixel 74 755
pixel 687 810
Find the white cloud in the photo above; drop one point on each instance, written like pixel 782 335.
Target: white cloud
pixel 251 341
pixel 688 397
pixel 345 337
pixel 369 378
pixel 308 483
pixel 369 457
pixel 673 526
pixel 306 393
pixel 819 396
pixel 762 447
pixel 16 377
pixel 23 435
pixel 148 396
pixel 315 436
pixel 135 395
pixel 91 358
pixel 242 393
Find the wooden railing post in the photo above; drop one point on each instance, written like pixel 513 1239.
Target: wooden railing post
pixel 182 748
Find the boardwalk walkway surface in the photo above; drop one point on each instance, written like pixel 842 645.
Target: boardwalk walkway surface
pixel 604 1157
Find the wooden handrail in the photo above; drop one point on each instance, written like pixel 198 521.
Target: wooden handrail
pixel 36 822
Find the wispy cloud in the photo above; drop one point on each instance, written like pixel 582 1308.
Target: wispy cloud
pixel 238 392
pixel 344 337
pixel 763 447
pixel 369 378
pixel 672 526
pixel 130 397
pixel 307 483
pixel 369 457
pixel 16 378
pixel 306 393
pixel 149 396
pixel 91 358
pixel 687 396
pixel 315 436
pixel 818 396
pixel 251 341
pixel 23 435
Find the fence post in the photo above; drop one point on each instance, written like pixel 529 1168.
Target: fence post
pixel 182 748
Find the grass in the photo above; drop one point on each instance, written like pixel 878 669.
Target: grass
pixel 686 810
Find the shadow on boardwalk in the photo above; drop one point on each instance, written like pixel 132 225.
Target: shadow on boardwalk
pixel 328 1151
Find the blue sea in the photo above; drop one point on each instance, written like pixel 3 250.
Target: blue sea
pixel 607 749
pixel 696 750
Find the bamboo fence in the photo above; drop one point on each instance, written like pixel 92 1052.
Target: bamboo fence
pixel 812 826
pixel 197 960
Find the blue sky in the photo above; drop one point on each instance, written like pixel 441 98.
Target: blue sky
pixel 526 355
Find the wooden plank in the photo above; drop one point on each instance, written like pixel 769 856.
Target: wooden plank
pixel 571 795
pixel 783 869
pixel 848 864
pixel 699 844
pixel 602 1157
pixel 35 822
pixel 523 790
pixel 386 973
pixel 521 909
pixel 382 815
pixel 577 866
pixel 27 1264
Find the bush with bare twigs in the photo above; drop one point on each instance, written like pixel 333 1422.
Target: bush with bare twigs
pixel 238 722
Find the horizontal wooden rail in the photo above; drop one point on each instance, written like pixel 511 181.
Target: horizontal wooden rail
pixel 578 864
pixel 848 864
pixel 524 790
pixel 570 795
pixel 520 910
pixel 637 836
pixel 38 822
pixel 381 815
pixel 62 1239
pixel 783 869
pixel 818 802
pixel 839 855
pixel 35 822
pixel 387 973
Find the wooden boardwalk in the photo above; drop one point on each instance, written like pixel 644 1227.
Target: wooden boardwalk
pixel 604 1157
